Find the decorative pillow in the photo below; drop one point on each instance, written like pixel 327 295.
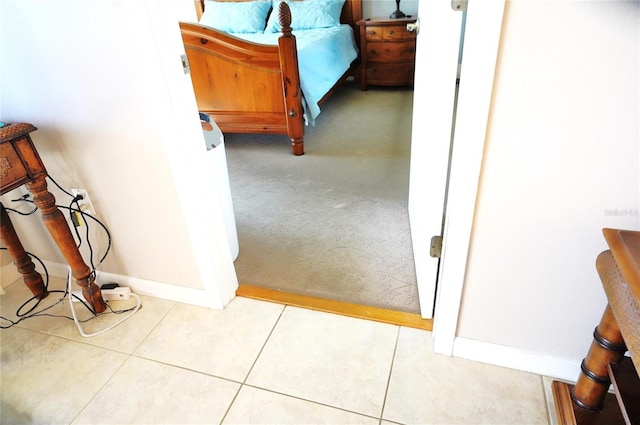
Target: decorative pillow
pixel 236 17
pixel 308 14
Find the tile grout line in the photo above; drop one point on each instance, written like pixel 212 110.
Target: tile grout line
pixel 242 384
pixel 30 331
pixel 310 401
pixel 85 341
pixel 169 310
pixel 101 387
pixel 199 372
pixel 128 357
pixel 132 354
pixel 393 360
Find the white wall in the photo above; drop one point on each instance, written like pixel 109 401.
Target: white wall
pixel 560 163
pixel 384 8
pixel 103 82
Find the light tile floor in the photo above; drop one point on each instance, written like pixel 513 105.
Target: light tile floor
pixel 253 363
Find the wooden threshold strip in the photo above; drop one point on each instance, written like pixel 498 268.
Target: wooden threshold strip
pixel 399 318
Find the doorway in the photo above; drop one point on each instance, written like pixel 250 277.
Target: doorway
pixel 440 121
pixel 475 98
pixel 482 34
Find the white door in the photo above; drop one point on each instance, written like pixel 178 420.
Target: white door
pixel 434 89
pixel 436 70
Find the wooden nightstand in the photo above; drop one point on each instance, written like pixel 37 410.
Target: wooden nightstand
pixel 388 52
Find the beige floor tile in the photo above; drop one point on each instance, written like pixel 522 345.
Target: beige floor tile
pixel 128 335
pixel 14 337
pixel 222 343
pixel 147 392
pixel 329 359
pixel 257 406
pixel 49 379
pixel 125 337
pixel 428 388
pixel 17 294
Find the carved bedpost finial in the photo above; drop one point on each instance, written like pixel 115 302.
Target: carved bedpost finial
pixel 284 17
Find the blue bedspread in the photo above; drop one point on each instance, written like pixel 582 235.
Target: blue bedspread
pixel 324 55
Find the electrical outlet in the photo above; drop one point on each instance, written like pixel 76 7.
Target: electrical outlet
pixel 121 293
pixel 85 203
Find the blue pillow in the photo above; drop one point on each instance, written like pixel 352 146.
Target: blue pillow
pixel 236 17
pixel 308 14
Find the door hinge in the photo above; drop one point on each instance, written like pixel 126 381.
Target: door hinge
pixel 436 246
pixel 459 5
pixel 185 63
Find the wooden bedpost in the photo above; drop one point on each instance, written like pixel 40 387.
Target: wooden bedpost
pixel 291 81
pixel 199 8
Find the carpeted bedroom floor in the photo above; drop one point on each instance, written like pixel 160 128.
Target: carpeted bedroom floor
pixel 332 223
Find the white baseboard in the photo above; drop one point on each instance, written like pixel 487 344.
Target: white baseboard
pixel 161 290
pixel 499 355
pixel 149 288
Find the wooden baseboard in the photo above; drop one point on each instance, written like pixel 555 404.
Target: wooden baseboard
pixel 399 318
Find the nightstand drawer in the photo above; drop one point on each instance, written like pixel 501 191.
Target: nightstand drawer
pixel 391 51
pixel 374 33
pixel 391 73
pixel 397 32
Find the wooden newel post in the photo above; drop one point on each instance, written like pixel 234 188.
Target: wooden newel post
pixel 21 259
pixel 291 87
pixel 57 225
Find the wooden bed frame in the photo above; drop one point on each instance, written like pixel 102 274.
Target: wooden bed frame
pixel 253 88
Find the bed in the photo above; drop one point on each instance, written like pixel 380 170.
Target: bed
pixel 272 79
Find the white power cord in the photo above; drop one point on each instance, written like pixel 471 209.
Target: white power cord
pixel 75 318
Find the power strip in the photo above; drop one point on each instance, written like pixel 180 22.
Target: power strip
pixel 121 293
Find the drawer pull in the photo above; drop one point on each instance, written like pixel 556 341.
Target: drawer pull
pixel 391 32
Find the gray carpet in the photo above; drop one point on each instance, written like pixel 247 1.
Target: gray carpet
pixel 332 223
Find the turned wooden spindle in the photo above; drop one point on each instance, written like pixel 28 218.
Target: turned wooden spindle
pixel 607 347
pixel 21 259
pixel 20 164
pixel 57 225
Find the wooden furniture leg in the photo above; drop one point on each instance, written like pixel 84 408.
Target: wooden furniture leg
pixel 59 230
pixel 589 402
pixel 607 347
pixel 20 164
pixel 21 259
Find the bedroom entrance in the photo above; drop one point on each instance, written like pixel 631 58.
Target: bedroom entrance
pixel 277 219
